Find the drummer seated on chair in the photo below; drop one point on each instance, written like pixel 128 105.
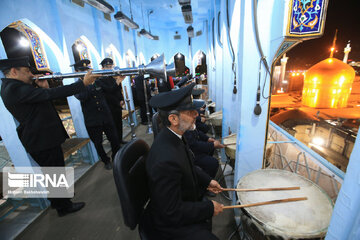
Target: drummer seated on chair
pixel 176 209
pixel 203 148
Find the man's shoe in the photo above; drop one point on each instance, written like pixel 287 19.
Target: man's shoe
pixel 124 142
pixel 144 123
pixel 73 208
pixel 108 166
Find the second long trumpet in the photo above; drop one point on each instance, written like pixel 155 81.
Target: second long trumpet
pixel 156 68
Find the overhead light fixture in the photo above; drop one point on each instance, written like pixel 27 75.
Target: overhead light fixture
pixel 101 5
pixel 190 31
pixel 145 33
pixel 120 16
pixel 148 33
pixel 128 22
pixel 187 13
pixel 184 2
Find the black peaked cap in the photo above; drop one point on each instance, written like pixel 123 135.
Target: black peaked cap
pixel 81 65
pixel 107 61
pixel 180 99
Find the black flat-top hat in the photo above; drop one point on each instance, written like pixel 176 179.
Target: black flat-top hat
pixel 14 62
pixel 107 61
pixel 81 65
pixel 180 100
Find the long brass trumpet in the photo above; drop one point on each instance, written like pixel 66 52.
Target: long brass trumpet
pixel 156 68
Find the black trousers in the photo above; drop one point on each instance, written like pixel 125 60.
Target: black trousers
pixel 52 157
pixel 143 111
pixel 96 135
pixel 117 117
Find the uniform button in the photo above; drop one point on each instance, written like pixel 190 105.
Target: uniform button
pixel 94 96
pixel 99 109
pixel 97 103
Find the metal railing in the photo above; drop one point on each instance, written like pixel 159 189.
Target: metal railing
pixel 283 151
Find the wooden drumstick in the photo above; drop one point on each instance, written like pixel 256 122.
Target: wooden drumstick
pixel 260 189
pixel 266 203
pixel 229 144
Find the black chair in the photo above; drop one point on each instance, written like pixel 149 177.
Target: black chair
pixel 131 182
pixel 156 124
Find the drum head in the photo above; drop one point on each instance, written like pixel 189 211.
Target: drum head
pixel 302 219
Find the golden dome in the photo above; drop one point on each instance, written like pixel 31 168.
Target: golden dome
pixel 328 84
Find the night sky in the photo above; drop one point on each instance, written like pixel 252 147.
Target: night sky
pixel 343 15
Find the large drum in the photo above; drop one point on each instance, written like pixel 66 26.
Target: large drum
pixel 211 107
pixel 307 219
pixel 230 149
pixel 216 118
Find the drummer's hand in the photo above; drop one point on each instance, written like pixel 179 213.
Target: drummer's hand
pixel 90 78
pixel 211 140
pixel 218 144
pixel 119 79
pixel 218 207
pixel 41 83
pixel 214 187
pixel 122 103
pixel 203 119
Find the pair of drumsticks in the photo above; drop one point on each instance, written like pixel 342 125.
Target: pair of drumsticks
pixel 267 202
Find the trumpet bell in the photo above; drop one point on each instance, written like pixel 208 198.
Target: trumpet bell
pixel 171 70
pixel 156 68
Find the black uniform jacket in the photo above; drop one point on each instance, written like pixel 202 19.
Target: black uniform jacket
pixel 203 127
pixel 198 142
pixel 112 92
pixel 40 127
pixel 175 206
pixel 94 106
pixel 139 84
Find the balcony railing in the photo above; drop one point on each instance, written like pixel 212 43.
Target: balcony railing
pixel 283 151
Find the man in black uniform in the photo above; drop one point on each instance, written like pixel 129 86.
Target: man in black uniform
pixel 113 95
pixel 176 209
pixel 140 96
pixel 97 116
pixel 203 148
pixel 40 129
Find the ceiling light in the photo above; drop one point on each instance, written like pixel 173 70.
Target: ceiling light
pixel 101 5
pixel 184 2
pixel 186 11
pixel 148 35
pixel 120 16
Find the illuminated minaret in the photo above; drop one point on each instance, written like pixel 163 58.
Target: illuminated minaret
pixel 283 69
pixel 347 51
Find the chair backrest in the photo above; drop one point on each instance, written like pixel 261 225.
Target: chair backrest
pixel 131 180
pixel 156 123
